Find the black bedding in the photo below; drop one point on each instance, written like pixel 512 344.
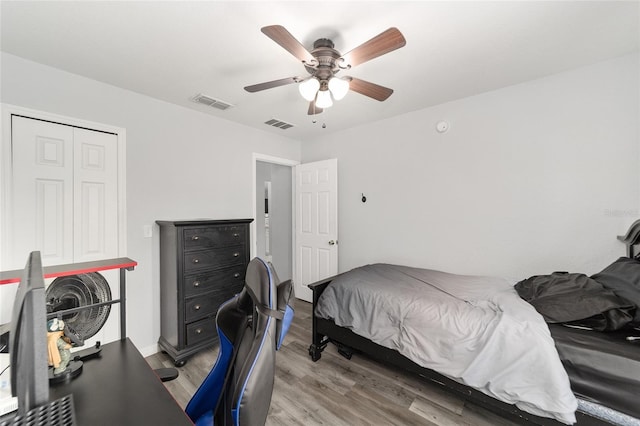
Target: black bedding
pixel 601 355
pixel 603 367
pixel 623 278
pixel 577 299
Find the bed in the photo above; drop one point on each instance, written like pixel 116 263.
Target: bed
pixel 569 369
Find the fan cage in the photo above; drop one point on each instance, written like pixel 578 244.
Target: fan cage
pixel 76 291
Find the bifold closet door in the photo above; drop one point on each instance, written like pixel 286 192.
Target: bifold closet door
pixel 64 198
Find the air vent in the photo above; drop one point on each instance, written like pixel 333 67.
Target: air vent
pixel 278 123
pixel 209 101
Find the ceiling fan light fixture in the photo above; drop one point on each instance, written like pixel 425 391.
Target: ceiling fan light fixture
pixel 309 88
pixel 338 87
pixel 324 99
pixel 321 88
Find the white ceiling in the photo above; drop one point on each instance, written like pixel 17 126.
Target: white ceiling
pixel 174 50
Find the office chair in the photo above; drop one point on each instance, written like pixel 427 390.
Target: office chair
pixel 251 327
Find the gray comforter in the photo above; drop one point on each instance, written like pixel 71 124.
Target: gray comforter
pixel 473 329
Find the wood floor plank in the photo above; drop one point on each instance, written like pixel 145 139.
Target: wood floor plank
pixel 386 411
pixel 436 414
pixel 348 409
pixel 479 416
pixel 306 408
pixel 299 364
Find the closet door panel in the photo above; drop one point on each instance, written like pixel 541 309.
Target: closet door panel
pixel 96 189
pixel 42 193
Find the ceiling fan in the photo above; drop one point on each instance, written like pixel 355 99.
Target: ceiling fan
pixel 324 62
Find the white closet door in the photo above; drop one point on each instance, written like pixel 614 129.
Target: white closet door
pixel 96 189
pixel 65 193
pixel 42 193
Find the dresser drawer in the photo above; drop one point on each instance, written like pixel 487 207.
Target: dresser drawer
pixel 209 281
pixel 205 305
pixel 200 331
pixel 214 258
pixel 211 237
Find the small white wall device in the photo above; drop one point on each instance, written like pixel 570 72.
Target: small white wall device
pixel 442 126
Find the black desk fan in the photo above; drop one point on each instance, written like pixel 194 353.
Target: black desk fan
pixel 90 291
pixel 83 298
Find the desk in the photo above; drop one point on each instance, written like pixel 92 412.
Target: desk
pixel 119 388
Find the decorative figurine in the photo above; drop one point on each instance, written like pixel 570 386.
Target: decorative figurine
pixel 60 339
pixel 59 349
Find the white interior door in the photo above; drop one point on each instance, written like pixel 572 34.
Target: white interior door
pixel 316 224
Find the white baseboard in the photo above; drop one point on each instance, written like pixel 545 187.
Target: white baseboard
pixel 149 350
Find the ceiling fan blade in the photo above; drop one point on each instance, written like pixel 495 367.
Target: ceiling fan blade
pixel 280 35
pixel 313 109
pixel 385 42
pixel 271 84
pixel 375 91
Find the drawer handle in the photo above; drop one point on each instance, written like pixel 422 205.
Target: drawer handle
pixel 196 308
pixel 196 260
pixel 236 275
pixel 195 238
pixel 198 331
pixel 196 283
pixel 236 254
pixel 236 235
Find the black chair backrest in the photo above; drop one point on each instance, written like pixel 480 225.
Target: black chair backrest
pixel 251 327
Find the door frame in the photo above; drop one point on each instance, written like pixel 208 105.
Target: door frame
pixel 282 162
pixel 7 111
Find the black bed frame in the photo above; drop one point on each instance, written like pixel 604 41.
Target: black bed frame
pixel 325 331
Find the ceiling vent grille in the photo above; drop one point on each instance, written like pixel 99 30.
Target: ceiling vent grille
pixel 278 123
pixel 211 102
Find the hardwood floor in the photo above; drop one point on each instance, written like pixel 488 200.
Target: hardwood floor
pixel 336 391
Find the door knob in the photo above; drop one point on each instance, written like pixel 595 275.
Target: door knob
pixel 332 243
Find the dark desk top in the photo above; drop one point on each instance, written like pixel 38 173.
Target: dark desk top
pixel 120 388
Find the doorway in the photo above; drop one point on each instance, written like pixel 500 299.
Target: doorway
pixel 296 219
pixel 274 213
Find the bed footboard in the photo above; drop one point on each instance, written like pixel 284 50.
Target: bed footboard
pixel 318 339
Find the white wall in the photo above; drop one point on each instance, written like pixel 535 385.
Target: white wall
pixel 529 179
pixel 181 164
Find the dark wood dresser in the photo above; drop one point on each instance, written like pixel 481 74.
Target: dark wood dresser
pixel 202 265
